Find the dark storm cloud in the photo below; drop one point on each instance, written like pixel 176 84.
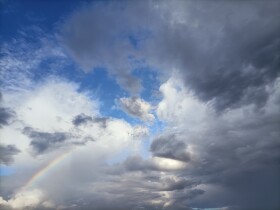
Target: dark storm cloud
pixel 225 57
pixel 222 55
pixel 82 119
pixel 7 153
pixel 240 159
pixel 227 54
pixel 42 142
pixel 171 184
pixel 170 147
pixel 139 187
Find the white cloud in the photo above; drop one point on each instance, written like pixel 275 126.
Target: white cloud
pixel 26 199
pixel 180 107
pixel 51 106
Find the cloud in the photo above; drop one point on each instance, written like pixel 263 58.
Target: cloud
pixel 215 138
pixel 84 119
pixel 94 36
pixel 26 200
pixel 5 115
pixel 137 107
pixel 170 147
pixel 223 57
pixel 44 141
pixel 173 183
pixel 231 153
pixel 187 164
pixel 70 119
pixel 7 152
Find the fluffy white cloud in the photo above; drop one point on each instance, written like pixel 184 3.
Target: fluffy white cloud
pixel 27 199
pixel 181 108
pixel 44 121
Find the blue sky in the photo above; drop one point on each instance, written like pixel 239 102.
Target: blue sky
pixel 28 20
pixel 139 105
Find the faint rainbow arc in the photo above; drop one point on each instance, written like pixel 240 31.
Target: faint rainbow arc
pixel 45 169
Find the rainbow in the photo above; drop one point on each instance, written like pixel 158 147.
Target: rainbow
pixel 45 169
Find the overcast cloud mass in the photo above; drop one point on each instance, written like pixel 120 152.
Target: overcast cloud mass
pixel 129 105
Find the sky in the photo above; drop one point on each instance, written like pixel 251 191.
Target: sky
pixel 129 105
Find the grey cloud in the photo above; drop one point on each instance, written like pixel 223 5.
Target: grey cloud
pixel 101 120
pixel 227 54
pixel 170 147
pixel 84 141
pixel 182 199
pixel 137 107
pixel 82 119
pixel 142 188
pixel 136 163
pixel 7 153
pixel 223 56
pixel 98 36
pixel 239 159
pixel 42 142
pixel 171 184
pixel 5 115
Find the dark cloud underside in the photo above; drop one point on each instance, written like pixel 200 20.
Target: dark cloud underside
pixel 7 153
pixel 42 142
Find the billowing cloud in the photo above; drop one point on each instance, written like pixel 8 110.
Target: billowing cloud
pixel 208 140
pixel 229 152
pixel 170 147
pixel 224 57
pixel 26 200
pixel 137 107
pixel 69 123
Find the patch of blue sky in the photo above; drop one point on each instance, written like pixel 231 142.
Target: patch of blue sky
pixel 96 83
pixel 7 170
pixel 43 14
pixel 104 88
pixel 29 18
pixel 148 77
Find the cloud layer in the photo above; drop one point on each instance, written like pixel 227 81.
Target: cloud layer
pixel 206 138
pixel 225 57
